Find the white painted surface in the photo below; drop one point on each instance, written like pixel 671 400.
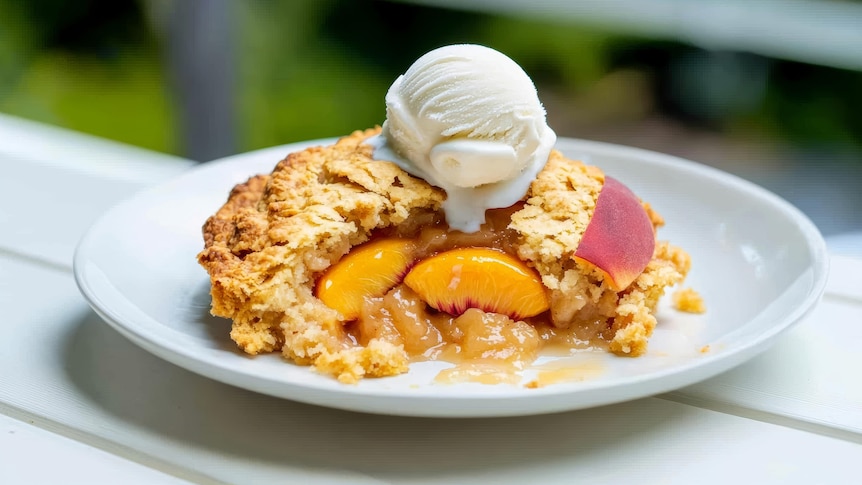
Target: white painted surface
pixel 72 368
pixel 65 370
pixel 33 456
pixel 23 141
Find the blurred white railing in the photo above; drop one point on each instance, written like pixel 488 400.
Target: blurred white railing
pixel 824 32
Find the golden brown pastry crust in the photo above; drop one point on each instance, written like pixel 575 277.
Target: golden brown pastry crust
pixel 276 233
pixel 689 301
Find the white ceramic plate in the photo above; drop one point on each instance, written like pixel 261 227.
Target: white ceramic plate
pixel 759 263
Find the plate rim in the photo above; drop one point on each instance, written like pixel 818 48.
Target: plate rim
pixel 362 399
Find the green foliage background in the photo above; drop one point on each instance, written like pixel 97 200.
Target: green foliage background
pixel 317 68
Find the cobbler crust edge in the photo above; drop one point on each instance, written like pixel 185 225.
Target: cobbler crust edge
pixel 265 247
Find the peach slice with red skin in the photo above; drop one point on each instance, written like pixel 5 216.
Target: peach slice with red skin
pixel 491 280
pixel 620 238
pixel 369 270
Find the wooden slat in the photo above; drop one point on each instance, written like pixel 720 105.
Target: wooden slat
pixel 810 379
pixel 27 449
pixel 70 370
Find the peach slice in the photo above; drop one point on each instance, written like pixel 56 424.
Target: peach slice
pixel 619 239
pixel 491 280
pixel 369 270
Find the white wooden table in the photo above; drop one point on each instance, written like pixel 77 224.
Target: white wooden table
pixel 81 404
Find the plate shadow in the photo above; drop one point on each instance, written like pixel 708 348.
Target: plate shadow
pixel 135 387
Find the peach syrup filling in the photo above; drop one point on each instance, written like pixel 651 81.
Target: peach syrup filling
pixel 320 261
pixel 487 346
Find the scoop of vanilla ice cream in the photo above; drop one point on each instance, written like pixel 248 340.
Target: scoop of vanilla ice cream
pixel 467 115
pixel 467 118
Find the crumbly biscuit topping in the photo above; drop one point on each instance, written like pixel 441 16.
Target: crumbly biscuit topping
pixel 277 233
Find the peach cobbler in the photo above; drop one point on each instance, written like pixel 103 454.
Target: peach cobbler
pixel 353 261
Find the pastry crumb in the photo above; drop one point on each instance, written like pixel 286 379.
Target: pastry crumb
pixel 704 349
pixel 689 301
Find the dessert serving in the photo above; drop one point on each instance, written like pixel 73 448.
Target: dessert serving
pixel 454 232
